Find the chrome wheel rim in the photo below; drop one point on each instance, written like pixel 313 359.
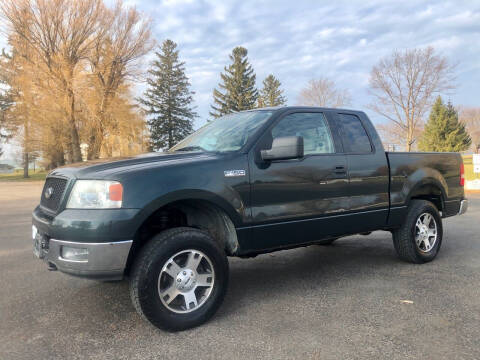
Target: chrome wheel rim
pixel 186 281
pixel 426 232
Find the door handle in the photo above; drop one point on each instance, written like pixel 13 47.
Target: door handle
pixel 340 169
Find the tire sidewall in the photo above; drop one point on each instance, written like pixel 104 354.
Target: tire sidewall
pixel 152 306
pixel 427 207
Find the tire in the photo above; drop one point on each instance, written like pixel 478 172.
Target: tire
pixel 151 272
pixel 326 242
pixel 405 238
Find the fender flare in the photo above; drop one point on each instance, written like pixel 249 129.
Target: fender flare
pixel 191 194
pixel 425 177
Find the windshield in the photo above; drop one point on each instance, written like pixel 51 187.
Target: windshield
pixel 227 133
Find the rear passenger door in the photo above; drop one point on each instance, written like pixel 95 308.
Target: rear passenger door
pixel 367 172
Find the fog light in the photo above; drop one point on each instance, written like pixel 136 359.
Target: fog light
pixel 74 254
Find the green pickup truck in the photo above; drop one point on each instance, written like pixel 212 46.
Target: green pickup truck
pixel 245 184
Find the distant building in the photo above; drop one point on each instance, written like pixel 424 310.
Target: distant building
pixel 393 147
pixel 6 169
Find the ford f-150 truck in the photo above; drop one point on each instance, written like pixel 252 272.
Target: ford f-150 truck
pixel 247 183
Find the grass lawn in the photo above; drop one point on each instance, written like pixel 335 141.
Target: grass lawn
pixel 18 176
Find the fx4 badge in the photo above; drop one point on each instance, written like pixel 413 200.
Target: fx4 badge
pixel 234 173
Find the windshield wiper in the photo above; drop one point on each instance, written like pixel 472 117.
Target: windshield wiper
pixel 191 148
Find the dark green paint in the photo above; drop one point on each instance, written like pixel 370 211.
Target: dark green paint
pixel 277 204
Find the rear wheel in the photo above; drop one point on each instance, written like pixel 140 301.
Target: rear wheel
pixel 419 239
pixel 179 279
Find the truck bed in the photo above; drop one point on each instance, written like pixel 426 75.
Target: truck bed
pixel 409 170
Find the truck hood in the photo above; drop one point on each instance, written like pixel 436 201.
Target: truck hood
pixel 102 168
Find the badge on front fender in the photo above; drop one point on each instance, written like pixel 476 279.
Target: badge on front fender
pixel 234 173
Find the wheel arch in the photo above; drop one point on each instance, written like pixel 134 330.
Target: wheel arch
pixel 427 184
pixel 234 213
pixel 202 210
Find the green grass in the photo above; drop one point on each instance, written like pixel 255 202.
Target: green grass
pixel 468 163
pixel 18 176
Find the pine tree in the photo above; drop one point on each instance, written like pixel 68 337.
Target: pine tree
pixel 168 99
pixel 443 131
pixel 458 138
pixel 237 89
pixel 271 94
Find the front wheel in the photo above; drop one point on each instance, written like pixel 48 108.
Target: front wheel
pixel 179 279
pixel 419 239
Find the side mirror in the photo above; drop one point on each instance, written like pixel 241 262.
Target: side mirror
pixel 284 148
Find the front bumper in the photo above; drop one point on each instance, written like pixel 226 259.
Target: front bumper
pixel 105 261
pixel 103 235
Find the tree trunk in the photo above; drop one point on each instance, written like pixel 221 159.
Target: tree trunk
pixel 97 133
pixel 25 165
pixel 71 121
pixel 26 147
pixel 76 153
pixel 56 158
pixel 170 130
pixel 95 143
pixel 409 138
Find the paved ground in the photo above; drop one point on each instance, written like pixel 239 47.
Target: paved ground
pixel 338 302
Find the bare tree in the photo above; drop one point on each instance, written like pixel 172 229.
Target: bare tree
pixel 69 75
pixel 404 85
pixel 114 59
pixel 18 116
pixel 324 92
pixel 470 116
pixel 62 33
pixel 393 137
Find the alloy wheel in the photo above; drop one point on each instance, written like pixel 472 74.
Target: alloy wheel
pixel 426 232
pixel 186 281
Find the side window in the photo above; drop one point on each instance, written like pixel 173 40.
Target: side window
pixel 312 126
pixel 354 136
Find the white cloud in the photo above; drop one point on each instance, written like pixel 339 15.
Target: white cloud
pixel 305 39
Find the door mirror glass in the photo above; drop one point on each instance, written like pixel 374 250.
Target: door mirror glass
pixel 284 148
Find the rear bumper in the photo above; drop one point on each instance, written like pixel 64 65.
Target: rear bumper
pixel 454 207
pixel 105 261
pixel 463 207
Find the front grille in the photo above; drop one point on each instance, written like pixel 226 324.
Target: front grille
pixel 56 188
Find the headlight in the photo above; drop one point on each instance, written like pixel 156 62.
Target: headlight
pixel 96 194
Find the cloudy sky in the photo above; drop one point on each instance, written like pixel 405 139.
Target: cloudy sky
pixel 299 40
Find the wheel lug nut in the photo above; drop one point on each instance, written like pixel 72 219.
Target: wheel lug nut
pixel 179 280
pixel 184 273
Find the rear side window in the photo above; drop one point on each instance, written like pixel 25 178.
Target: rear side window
pixel 354 136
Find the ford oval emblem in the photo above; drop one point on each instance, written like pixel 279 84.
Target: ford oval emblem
pixel 49 192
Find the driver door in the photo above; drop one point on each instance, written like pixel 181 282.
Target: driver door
pixel 298 193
